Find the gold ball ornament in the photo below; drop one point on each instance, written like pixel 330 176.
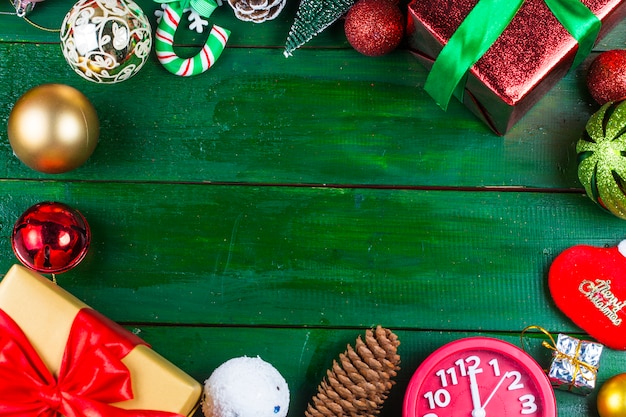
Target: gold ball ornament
pixel 53 128
pixel 611 400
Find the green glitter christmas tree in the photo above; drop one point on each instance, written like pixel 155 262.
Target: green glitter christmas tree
pixel 312 17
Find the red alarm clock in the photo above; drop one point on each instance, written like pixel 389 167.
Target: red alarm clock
pixel 479 377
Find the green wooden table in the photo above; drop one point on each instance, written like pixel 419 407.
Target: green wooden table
pixel 279 207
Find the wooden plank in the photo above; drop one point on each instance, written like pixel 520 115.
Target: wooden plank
pixel 386 129
pixel 271 34
pixel 330 117
pixel 191 244
pixel 303 356
pixel 205 254
pixel 244 34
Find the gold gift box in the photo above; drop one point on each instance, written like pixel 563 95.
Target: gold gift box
pixel 45 313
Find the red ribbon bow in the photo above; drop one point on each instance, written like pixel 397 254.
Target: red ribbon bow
pixel 91 375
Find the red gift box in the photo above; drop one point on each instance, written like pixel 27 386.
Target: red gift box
pixel 531 55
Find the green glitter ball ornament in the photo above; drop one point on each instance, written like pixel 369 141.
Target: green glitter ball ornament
pixel 602 158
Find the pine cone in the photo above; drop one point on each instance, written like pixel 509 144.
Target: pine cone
pixel 360 382
pixel 256 11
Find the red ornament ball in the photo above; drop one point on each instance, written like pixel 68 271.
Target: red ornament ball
pixel 51 237
pixel 374 27
pixel 606 77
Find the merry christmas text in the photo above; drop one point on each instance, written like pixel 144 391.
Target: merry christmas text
pixel 600 294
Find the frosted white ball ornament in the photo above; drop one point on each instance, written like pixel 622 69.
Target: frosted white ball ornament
pixel 245 387
pixel 106 41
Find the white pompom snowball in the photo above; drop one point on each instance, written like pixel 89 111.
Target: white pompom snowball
pixel 245 387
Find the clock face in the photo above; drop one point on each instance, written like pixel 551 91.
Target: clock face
pixel 479 377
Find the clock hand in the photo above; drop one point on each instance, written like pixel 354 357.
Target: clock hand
pixel 495 389
pixel 478 410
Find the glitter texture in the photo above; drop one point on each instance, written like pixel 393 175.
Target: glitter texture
pixel 374 27
pixel 606 77
pixel 520 67
pixel 313 17
pixel 602 161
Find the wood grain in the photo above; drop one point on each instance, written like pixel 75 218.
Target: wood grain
pixel 278 207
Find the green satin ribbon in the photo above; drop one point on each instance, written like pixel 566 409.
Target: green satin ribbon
pixel 484 25
pixel 580 22
pixel 203 7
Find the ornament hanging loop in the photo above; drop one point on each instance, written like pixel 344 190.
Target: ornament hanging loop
pixel 542 330
pixel 24 7
pixel 39 26
pixel 164 39
pixel 557 354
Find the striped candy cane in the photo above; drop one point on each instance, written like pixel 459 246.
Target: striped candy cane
pixel 164 45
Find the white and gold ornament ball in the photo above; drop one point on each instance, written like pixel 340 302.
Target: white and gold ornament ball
pixel 53 128
pixel 106 41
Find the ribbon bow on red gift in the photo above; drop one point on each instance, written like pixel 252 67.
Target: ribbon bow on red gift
pixel 91 375
pixel 484 25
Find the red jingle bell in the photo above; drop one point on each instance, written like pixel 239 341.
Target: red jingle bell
pixel 51 237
